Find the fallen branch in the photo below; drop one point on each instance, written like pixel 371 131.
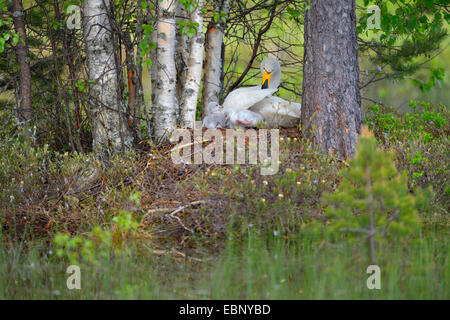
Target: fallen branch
pixel 173 212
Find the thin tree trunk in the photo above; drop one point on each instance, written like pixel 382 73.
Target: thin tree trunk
pixel 68 58
pixel 182 55
pixel 212 84
pixel 194 72
pixel 142 106
pixel 109 130
pixel 132 81
pixel 24 111
pixel 331 106
pixel 166 104
pixel 154 53
pixel 68 52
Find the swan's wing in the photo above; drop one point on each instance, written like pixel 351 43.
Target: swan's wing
pixel 292 109
pixel 276 105
pixel 244 98
pixel 278 112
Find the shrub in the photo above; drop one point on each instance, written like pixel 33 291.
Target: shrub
pixel 99 244
pixel 372 197
pixel 420 141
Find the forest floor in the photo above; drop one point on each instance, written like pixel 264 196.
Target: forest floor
pixel 144 227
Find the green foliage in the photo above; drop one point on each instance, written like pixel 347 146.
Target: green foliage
pixel 99 245
pixel 424 122
pixel 409 29
pixel 147 44
pixel 220 15
pixel 420 141
pixel 8 34
pixel 436 77
pixel 188 28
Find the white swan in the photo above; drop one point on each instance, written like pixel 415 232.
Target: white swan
pixel 258 100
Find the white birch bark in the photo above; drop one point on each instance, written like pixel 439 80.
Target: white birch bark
pixel 166 105
pixel 212 83
pixel 194 71
pixel 109 130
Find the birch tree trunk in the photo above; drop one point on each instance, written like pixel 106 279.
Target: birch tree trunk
pixel 194 71
pixel 212 77
pixel 166 104
pixel 110 132
pixel 331 106
pixel 24 111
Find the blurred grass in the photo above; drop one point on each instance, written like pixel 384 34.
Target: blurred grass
pixel 259 266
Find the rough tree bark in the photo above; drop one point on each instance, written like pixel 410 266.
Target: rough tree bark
pixel 24 111
pixel 331 101
pixel 194 71
pixel 109 128
pixel 212 82
pixel 166 104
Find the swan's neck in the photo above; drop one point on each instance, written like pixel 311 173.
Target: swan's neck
pixel 275 80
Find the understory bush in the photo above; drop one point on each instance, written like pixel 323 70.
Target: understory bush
pixel 420 140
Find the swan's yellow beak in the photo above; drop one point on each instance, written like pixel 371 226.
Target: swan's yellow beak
pixel 266 80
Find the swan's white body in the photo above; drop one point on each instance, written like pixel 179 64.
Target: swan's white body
pixel 244 118
pixel 244 98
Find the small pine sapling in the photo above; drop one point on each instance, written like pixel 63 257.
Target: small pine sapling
pixel 372 197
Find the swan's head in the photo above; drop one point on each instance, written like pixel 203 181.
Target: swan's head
pixel 270 69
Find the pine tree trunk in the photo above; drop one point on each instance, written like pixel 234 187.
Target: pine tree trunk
pixel 194 71
pixel 109 128
pixel 24 111
pixel 166 104
pixel 212 77
pixel 331 106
